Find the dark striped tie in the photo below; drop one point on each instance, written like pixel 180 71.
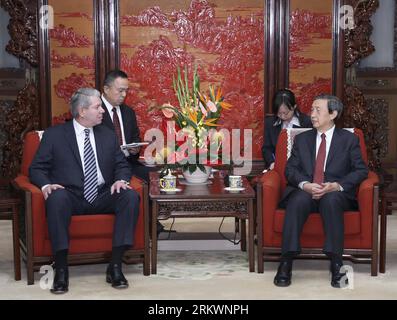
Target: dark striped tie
pixel 90 172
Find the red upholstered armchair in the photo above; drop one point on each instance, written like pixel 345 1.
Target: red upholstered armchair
pixel 90 235
pixel 361 228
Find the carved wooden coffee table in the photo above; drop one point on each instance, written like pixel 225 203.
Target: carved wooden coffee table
pixel 210 200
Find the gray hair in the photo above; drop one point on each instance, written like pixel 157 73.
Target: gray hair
pixel 82 99
pixel 333 103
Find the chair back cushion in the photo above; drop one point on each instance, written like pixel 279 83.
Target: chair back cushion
pixel 30 146
pixel 285 143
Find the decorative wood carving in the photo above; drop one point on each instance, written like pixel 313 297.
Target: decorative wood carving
pixel 358 46
pixel 357 41
pixel 385 70
pixel 358 114
pixel 22 28
pixel 208 208
pixel 22 117
pixel 380 109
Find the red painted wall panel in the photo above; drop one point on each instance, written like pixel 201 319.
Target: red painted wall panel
pixel 310 47
pixel 223 38
pixel 71 53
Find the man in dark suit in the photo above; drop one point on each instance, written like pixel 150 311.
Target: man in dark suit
pixel 122 119
pixel 81 170
pixel 323 172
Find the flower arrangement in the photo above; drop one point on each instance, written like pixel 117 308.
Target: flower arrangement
pixel 196 144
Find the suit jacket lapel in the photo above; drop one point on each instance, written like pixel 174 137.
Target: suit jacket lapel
pixel 312 143
pixel 333 147
pixel 99 147
pixel 70 137
pixel 126 127
pixel 106 117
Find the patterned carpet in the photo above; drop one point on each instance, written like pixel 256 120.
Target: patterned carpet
pixel 200 265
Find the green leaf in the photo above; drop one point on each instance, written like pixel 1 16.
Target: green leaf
pixel 187 82
pixel 202 168
pixel 192 168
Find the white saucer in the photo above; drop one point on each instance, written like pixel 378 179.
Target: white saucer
pixel 171 190
pixel 234 189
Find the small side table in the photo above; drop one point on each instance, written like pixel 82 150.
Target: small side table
pixel 203 201
pixel 388 197
pixel 9 207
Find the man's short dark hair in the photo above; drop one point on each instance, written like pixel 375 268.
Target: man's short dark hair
pixel 333 103
pixel 113 75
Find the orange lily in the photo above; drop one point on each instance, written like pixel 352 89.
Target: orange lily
pixel 209 122
pixel 218 95
pixel 225 105
pixel 193 115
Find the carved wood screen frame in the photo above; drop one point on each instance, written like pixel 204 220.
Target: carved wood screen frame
pixel 107 50
pixel 44 71
pixel 276 45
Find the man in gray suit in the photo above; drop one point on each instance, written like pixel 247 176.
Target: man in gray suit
pixel 81 170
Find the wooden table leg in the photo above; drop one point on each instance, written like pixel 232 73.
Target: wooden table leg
pixel 383 227
pixel 236 225
pixel 243 242
pixel 15 232
pixel 251 257
pixel 154 236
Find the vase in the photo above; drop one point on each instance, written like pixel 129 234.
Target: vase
pixel 197 176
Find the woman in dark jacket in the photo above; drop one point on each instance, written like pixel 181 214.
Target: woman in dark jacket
pixel 286 115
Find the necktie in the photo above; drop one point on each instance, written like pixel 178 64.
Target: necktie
pixel 117 127
pixel 319 168
pixel 90 170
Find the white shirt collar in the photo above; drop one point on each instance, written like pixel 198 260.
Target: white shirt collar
pixel 79 129
pixel 328 134
pixel 294 121
pixel 109 107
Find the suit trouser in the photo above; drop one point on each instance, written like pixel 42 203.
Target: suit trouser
pixel 331 208
pixel 62 204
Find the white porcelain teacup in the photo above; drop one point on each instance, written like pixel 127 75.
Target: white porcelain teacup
pixel 168 182
pixel 235 182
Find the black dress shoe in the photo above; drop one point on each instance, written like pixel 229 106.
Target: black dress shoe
pixel 338 280
pixel 284 274
pixel 61 281
pixel 115 276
